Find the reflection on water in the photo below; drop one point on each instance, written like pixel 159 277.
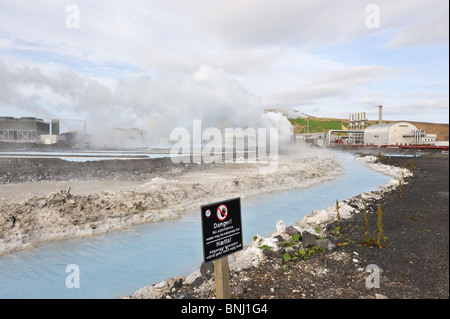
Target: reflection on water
pixel 119 263
pixel 91 155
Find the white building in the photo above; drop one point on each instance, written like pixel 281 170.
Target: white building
pixel 401 133
pixel 430 139
pixel 50 139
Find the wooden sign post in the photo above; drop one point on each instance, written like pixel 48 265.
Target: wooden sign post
pixel 222 235
pixel 222 276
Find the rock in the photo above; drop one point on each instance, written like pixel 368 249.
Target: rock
pixel 333 239
pixel 291 230
pixel 279 239
pixel 198 282
pixel 181 295
pixel 331 245
pixel 270 253
pixel 192 277
pixel 164 286
pixel 323 242
pixel 178 283
pixel 380 296
pixel 308 239
pixel 207 269
pixel 237 290
pixel 291 252
pixel 280 252
pixel 281 227
pixel 147 292
pixel 42 203
pixel 160 285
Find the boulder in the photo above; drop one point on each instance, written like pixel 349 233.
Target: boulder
pixel 291 231
pixel 279 239
pixel 164 286
pixel 42 203
pixel 147 292
pixel 178 282
pixel 325 243
pixel 192 277
pixel 207 269
pixel 331 245
pixel 280 226
pixel 308 239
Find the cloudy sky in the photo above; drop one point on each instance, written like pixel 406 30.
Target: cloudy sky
pixel 165 62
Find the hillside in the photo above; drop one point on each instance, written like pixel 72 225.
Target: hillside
pixel 317 124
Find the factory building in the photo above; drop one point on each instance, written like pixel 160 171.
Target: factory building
pixel 356 126
pixel 401 133
pixel 392 134
pixel 22 130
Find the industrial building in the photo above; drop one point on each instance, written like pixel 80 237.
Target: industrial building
pixel 359 133
pixel 27 129
pixel 356 125
pixel 24 129
pixel 401 133
pixel 355 131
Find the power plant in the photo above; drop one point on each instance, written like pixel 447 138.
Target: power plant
pixel 32 130
pixel 358 133
pixel 401 133
pixel 398 134
pixel 24 129
pixel 357 123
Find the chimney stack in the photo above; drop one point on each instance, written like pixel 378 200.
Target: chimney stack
pixel 380 112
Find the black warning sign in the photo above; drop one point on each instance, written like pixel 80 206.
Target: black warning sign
pixel 221 229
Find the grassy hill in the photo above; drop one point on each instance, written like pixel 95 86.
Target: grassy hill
pixel 317 124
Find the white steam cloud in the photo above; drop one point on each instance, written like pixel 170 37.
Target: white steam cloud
pixel 156 105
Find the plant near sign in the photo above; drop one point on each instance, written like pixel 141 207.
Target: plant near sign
pixel 292 241
pixel 302 254
pixel 263 247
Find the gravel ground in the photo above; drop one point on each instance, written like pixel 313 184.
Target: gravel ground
pixel 414 262
pixel 25 170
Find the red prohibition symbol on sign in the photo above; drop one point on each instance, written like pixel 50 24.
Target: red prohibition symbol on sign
pixel 222 212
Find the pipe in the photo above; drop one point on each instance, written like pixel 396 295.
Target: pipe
pixel 344 131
